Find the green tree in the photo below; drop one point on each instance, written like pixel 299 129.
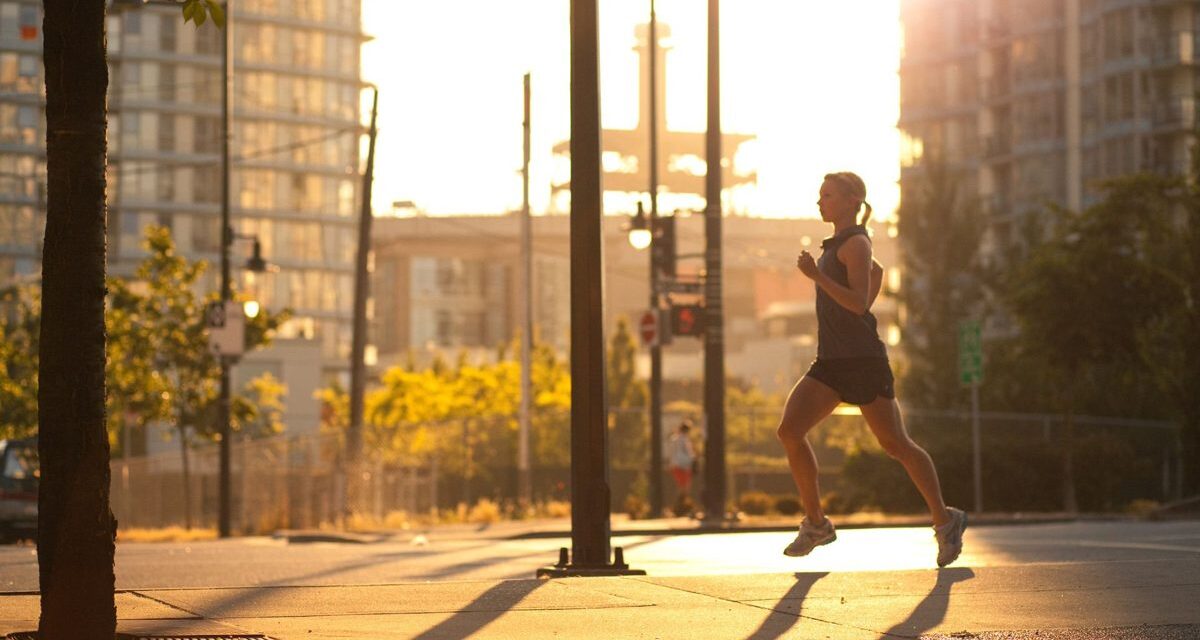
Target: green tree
pixel 76 528
pixel 1171 344
pixel 941 231
pixel 1084 298
pixel 627 399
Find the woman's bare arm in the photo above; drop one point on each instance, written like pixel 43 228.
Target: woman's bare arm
pixel 856 255
pixel 876 282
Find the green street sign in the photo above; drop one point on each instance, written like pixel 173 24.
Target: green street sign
pixel 970 352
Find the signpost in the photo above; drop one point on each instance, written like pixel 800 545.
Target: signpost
pixel 226 328
pixel 648 327
pixel 970 373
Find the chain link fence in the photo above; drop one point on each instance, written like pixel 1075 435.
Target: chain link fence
pixel 283 482
pixel 299 481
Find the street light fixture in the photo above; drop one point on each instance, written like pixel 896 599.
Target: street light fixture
pixel 251 308
pixel 640 235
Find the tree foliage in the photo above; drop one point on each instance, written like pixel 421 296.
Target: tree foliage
pixel 627 401
pixel 941 231
pixel 20 316
pixel 159 361
pixel 158 365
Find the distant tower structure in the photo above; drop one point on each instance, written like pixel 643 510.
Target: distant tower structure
pixel 681 153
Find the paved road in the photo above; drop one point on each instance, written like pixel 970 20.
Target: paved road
pixel 248 562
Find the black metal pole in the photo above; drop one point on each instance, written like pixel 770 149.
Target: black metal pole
pixel 358 339
pixel 223 497
pixel 589 436
pixel 714 340
pixel 590 508
pixel 524 472
pixel 656 460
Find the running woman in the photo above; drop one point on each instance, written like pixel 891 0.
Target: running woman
pixel 852 367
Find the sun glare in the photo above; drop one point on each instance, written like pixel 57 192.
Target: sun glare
pixel 815 82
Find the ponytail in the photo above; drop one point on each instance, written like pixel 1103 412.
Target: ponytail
pixel 866 216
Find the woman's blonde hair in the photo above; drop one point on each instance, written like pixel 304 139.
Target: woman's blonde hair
pixel 855 187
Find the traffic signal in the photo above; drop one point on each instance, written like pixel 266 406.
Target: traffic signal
pixel 687 320
pixel 663 246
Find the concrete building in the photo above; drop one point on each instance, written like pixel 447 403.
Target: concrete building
pixel 295 185
pixel 450 283
pixel 1032 101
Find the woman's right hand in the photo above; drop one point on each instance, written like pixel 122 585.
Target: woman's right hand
pixel 807 264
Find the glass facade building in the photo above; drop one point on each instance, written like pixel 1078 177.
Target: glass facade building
pixel 295 148
pixel 1033 101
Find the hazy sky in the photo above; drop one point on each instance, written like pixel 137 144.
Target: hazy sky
pixel 815 81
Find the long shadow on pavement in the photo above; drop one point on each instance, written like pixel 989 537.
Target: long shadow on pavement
pixel 778 622
pixel 932 610
pixel 482 611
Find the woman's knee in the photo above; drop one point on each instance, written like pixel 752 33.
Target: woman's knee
pixel 790 434
pixel 899 448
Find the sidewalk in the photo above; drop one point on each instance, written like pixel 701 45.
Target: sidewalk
pixel 1043 601
pixel 623 526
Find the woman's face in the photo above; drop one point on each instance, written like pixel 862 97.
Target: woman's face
pixel 835 203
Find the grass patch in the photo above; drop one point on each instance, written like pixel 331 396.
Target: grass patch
pixel 166 534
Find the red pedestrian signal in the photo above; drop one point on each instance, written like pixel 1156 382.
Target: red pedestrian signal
pixel 687 320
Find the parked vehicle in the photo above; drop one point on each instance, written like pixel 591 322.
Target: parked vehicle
pixel 19 473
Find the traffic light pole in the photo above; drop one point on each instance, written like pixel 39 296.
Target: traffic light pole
pixel 590 496
pixel 656 439
pixel 714 341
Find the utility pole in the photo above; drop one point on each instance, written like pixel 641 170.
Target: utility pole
pixel 714 341
pixel 656 460
pixel 590 494
pixel 524 479
pixel 223 492
pixel 358 340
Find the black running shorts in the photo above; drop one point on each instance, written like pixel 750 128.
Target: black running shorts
pixel 857 381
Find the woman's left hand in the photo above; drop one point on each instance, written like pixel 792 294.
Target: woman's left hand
pixel 807 264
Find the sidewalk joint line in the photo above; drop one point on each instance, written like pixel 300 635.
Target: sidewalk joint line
pixel 164 603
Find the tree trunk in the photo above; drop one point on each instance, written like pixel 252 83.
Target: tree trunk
pixel 187 478
pixel 76 528
pixel 1070 503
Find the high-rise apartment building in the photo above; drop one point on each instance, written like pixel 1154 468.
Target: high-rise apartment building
pixel 1032 101
pixel 295 147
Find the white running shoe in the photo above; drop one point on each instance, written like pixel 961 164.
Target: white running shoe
pixel 810 537
pixel 949 537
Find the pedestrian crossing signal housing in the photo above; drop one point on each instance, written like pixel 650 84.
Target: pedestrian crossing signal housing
pixel 687 320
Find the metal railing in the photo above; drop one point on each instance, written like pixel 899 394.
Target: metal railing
pixel 297 482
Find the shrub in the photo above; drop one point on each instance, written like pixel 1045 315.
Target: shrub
pixel 683 506
pixel 636 507
pixel 787 505
pixel 556 508
pixel 484 511
pixel 755 503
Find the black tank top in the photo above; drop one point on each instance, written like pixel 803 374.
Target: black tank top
pixel 841 333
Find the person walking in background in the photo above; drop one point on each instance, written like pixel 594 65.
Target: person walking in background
pixel 852 367
pixel 681 459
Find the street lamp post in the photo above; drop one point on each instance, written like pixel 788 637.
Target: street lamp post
pixel 227 237
pixel 223 417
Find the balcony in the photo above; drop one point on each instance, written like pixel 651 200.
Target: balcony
pixel 1176 113
pixel 1177 49
pixel 997 145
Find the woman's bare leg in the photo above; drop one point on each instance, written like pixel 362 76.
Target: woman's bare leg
pixel 883 417
pixel 809 403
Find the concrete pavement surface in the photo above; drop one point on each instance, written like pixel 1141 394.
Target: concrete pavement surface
pixel 1141 581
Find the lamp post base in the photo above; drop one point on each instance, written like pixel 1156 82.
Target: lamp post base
pixel 565 569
